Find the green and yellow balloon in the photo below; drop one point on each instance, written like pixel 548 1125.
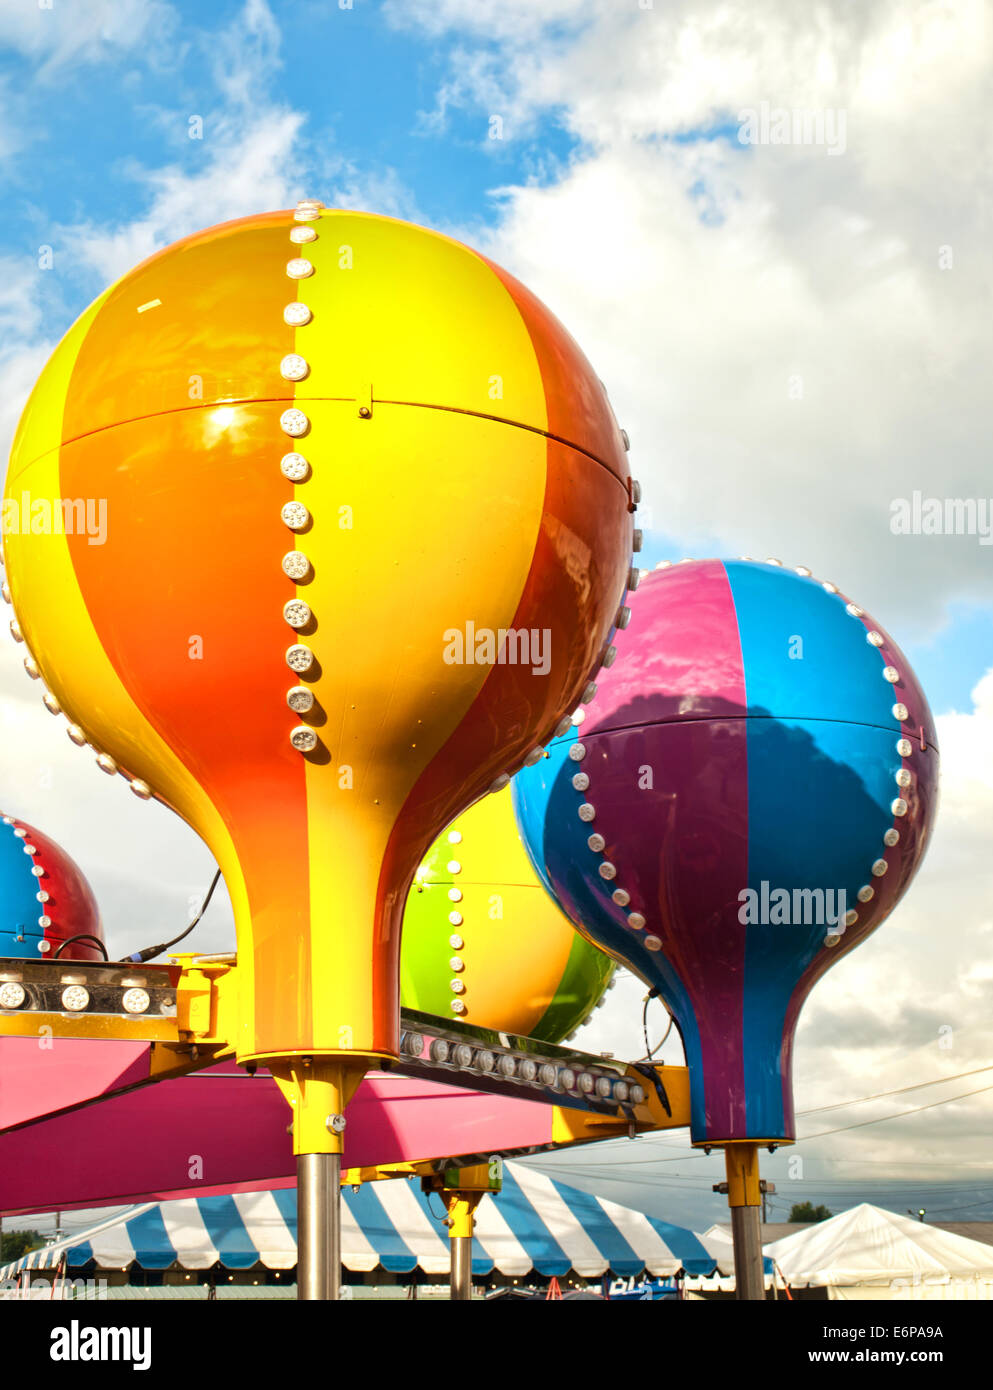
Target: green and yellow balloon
pixel 482 940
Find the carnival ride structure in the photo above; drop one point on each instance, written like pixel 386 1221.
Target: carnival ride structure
pixel 369 542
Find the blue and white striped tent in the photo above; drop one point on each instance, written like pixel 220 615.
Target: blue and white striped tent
pixel 535 1223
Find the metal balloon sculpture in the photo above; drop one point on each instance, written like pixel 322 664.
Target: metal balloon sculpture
pixel 46 901
pixel 745 799
pixel 482 939
pixel 361 529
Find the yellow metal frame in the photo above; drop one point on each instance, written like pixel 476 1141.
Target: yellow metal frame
pixel 209 999
pixel 741 1161
pixel 317 1091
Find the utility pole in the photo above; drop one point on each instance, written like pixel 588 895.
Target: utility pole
pixel 765 1187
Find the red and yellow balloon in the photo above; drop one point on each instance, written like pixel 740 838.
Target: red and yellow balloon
pixel 324 441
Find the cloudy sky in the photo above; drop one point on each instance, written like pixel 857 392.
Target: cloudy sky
pixel 795 335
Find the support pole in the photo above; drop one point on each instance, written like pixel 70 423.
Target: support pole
pixel 461 1215
pixel 318 1226
pixel 461 1269
pixel 744 1199
pixel 462 1190
pixel 318 1091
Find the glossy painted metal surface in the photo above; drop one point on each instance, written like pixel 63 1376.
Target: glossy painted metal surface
pixel 480 931
pixel 73 1073
pixel 759 749
pixel 44 897
pixel 237 1124
pixel 460 464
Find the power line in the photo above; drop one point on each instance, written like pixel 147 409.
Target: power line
pixel 881 1095
pixel 885 1163
pixel 881 1119
pixel 695 1154
pixel 939 1191
pixel 860 1124
pixel 964 1206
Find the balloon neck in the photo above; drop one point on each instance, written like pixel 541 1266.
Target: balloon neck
pixel 741 1161
pixel 318 1090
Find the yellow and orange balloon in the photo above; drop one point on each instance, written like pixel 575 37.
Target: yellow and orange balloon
pixel 325 441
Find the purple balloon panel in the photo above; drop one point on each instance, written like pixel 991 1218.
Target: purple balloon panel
pixel 747 797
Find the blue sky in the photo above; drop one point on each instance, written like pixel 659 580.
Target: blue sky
pixel 366 91
pixel 395 116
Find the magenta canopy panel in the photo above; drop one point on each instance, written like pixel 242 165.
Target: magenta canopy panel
pixel 218 1130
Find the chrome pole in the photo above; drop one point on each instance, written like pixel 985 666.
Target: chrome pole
pixel 318 1226
pixel 461 1280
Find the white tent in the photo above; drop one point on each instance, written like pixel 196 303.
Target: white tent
pixel 869 1253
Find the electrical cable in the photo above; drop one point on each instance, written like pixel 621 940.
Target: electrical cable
pixel 649 1050
pixel 150 952
pixel 442 1220
pixel 81 936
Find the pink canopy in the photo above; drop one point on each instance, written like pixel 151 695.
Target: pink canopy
pixel 71 1135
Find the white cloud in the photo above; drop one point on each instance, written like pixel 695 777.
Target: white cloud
pixel 52 41
pixel 713 285
pixel 518 22
pixel 24 347
pixel 252 159
pixel 246 54
pixel 143 862
pixel 249 166
pixel 256 157
pixel 58 36
pixel 382 191
pixel 805 264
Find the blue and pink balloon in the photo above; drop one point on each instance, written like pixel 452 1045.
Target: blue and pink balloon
pixel 746 797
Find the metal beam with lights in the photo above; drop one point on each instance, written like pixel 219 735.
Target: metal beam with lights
pixel 462 1054
pixel 188 1012
pixel 87 999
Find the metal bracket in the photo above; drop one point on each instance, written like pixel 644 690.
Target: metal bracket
pixel 650 1073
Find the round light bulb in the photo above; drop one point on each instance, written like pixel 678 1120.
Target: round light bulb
pixel 75 998
pixel 135 1001
pixel 12 996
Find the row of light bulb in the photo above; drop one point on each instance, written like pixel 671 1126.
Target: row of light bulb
pixel 296 468
pixel 514 1067
pixel 75 998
